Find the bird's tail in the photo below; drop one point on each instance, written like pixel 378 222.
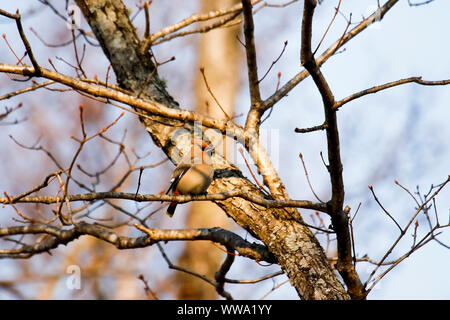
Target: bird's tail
pixel 171 209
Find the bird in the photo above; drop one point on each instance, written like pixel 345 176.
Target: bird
pixel 193 175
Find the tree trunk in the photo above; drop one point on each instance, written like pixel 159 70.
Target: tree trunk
pixel 297 250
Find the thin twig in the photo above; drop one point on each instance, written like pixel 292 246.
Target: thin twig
pixel 329 26
pixel 307 178
pixel 202 71
pixel 388 85
pixel 274 62
pixel 148 291
pixel 17 18
pixel 311 129
pixel 384 210
pixel 389 251
pixel 347 36
pixel 35 86
pixel 260 186
pixel 151 40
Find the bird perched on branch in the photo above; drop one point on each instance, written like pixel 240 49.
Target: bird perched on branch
pixel 193 175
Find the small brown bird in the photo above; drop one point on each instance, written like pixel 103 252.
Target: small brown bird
pixel 193 175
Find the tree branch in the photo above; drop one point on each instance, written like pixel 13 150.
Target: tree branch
pixel 267 203
pixel 303 74
pixel 250 50
pixel 63 236
pixel 388 85
pixel 220 275
pixel 149 106
pixel 339 216
pixel 18 19
pixel 163 33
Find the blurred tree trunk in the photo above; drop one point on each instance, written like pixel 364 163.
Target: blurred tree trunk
pixel 220 56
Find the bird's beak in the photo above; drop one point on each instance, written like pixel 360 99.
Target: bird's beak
pixel 208 148
pixel 203 145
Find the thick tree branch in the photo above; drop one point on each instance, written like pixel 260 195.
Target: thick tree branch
pixel 307 59
pixel 151 107
pixel 63 236
pixel 226 266
pixel 250 49
pixel 254 116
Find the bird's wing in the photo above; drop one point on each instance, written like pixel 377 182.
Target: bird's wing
pixel 178 173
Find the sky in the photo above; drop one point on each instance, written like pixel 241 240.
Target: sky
pixel 399 134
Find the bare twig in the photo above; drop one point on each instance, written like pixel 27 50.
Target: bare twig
pixel 274 62
pixel 388 85
pixel 419 244
pixel 37 70
pixel 78 59
pixel 408 192
pixel 51 45
pixel 147 19
pixel 35 86
pixel 236 9
pixel 329 26
pixel 141 169
pixel 352 234
pixel 275 287
pixel 311 129
pixel 8 111
pixel 270 276
pixel 416 4
pixel 307 178
pixel 261 187
pixel 148 291
pixel 226 21
pixel 202 71
pixel 347 36
pixel 385 211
